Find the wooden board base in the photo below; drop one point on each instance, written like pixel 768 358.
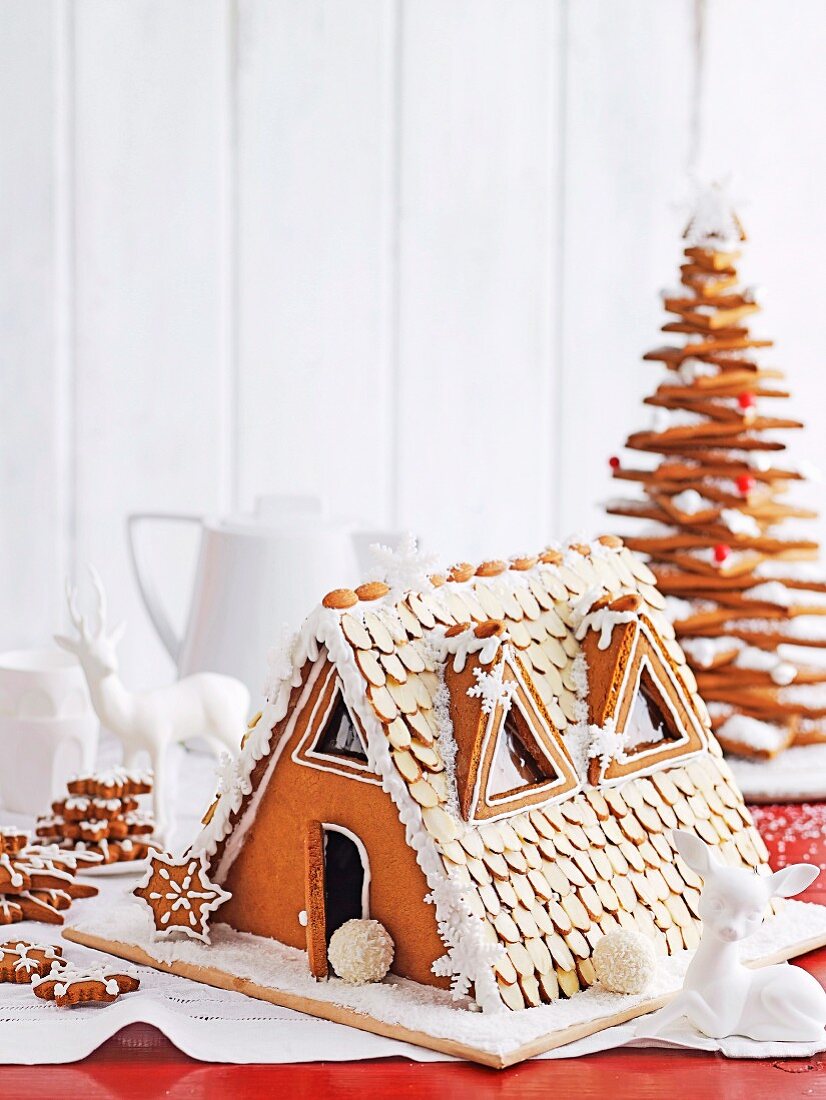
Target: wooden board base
pixel 339 1014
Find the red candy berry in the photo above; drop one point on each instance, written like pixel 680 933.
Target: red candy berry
pixel 745 483
pixel 614 462
pixel 746 400
pixel 721 552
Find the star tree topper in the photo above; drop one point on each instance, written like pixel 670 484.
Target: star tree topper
pixel 180 895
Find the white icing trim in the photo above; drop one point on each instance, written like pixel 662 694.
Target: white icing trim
pixel 461 646
pixel 603 619
pixel 236 837
pixel 322 762
pixel 328 826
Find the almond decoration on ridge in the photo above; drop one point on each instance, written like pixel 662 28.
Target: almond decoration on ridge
pixel 744 591
pixel 340 599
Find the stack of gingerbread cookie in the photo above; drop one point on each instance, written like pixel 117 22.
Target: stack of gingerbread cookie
pixel 744 590
pixel 101 813
pixel 37 882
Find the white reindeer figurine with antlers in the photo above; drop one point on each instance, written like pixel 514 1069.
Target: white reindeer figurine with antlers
pixel 205 704
pixel 720 995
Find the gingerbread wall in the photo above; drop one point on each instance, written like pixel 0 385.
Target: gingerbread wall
pixel 268 878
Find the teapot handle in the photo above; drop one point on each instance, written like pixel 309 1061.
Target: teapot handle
pixel 146 585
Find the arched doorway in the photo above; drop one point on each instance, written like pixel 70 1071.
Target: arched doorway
pixel 345 878
pixel 338 864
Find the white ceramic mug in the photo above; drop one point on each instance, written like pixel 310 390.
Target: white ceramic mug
pixel 48 729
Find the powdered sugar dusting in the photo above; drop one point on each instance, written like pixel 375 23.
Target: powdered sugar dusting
pixel 397 1001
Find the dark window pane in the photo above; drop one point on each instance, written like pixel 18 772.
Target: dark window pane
pixel 340 737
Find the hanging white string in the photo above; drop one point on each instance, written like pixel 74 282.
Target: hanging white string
pixel 695 124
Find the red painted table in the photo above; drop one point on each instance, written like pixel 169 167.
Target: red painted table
pixel 141 1063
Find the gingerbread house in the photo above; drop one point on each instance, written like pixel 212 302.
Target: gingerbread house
pixel 489 763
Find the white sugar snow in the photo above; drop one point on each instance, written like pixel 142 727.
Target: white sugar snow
pixel 397 1001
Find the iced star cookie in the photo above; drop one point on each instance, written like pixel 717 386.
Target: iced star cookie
pixel 70 985
pixel 180 895
pixel 21 961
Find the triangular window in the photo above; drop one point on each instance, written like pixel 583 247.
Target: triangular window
pixel 339 736
pixel 333 740
pixel 510 757
pixel 648 722
pixel 638 694
pixel 515 767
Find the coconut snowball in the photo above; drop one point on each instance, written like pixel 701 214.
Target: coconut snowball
pixel 361 951
pixel 625 962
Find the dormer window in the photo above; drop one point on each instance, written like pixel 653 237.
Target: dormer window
pixel 639 699
pixel 510 757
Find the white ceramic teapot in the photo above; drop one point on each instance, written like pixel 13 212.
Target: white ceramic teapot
pixel 255 572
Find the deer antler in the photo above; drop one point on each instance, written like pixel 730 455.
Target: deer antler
pixel 78 620
pixel 100 592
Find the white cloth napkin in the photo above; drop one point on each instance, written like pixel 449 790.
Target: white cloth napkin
pixel 215 1025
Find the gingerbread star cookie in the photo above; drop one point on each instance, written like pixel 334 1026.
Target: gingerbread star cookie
pixel 180 895
pixel 21 961
pixel 69 985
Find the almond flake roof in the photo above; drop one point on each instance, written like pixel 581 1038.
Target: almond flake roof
pixel 521 901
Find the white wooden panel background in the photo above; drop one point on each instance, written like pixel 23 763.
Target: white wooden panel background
pixel 401 253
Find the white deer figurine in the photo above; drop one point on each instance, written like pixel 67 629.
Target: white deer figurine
pixel 721 996
pixel 205 704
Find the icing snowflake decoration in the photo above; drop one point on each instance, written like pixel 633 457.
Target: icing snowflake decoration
pixel 447 895
pixel 606 744
pixel 180 895
pixel 404 569
pixel 492 689
pixel 470 957
pixel 610 746
pixel 233 781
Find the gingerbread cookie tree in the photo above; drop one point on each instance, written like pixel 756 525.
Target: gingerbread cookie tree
pixel 716 500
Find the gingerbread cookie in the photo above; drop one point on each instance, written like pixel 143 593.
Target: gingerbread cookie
pixel 21 961
pixel 180 895
pixel 12 840
pixel 117 783
pixel 11 912
pixel 13 879
pixel 70 985
pixel 83 808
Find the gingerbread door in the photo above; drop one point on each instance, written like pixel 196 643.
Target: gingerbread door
pixel 338 883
